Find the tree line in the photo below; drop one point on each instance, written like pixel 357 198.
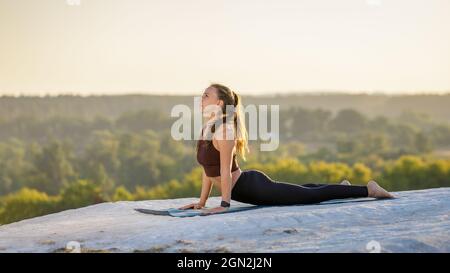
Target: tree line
pixel 56 162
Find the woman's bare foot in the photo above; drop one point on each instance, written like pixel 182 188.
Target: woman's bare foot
pixel 345 182
pixel 377 191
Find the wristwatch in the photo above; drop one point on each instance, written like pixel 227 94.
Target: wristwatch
pixel 224 204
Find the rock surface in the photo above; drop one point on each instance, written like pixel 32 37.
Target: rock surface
pixel 416 221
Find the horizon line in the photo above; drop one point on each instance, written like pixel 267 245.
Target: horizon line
pixel 261 94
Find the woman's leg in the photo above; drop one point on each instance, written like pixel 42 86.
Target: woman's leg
pixel 312 185
pixel 343 182
pixel 257 188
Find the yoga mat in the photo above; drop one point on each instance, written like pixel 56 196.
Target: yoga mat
pixel 174 212
pixel 192 212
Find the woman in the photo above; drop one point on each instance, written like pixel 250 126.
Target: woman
pixel 216 152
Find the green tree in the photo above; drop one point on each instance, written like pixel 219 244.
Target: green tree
pixel 407 172
pixel 80 193
pixel 26 203
pixel 361 174
pixel 122 194
pixel 348 121
pixel 55 162
pixel 422 143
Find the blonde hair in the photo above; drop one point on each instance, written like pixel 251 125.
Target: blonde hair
pixel 230 97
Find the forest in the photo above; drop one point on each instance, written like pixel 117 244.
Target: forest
pixel 69 151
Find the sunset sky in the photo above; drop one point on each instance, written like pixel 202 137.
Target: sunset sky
pixel 253 46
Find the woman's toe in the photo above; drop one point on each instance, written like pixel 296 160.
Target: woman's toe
pixel 345 182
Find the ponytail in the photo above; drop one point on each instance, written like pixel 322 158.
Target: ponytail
pixel 236 98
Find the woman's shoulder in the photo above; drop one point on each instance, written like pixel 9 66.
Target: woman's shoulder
pixel 225 131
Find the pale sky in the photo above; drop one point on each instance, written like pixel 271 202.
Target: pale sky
pixel 253 46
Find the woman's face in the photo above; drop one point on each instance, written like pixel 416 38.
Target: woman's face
pixel 210 98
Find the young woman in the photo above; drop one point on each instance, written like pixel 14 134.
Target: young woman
pixel 217 154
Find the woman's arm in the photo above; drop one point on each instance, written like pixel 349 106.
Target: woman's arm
pixel 226 151
pixel 206 188
pixel 225 169
pixel 226 146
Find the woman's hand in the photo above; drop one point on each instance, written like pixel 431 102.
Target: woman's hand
pixel 214 210
pixel 193 206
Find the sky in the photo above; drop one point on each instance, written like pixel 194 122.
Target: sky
pixel 256 47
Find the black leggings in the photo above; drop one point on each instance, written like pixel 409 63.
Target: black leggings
pixel 255 187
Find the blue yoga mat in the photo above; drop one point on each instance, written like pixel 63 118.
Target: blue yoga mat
pixel 175 212
pixel 192 212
